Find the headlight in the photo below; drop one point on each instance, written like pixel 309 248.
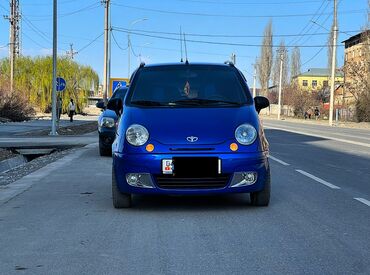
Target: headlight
pixel 137 135
pixel 107 122
pixel 246 134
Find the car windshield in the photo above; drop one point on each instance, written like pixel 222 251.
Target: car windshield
pixel 189 86
pixel 120 93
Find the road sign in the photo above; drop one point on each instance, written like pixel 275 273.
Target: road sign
pixel 114 83
pixel 61 84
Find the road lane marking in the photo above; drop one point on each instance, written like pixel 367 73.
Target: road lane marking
pixel 363 201
pixel 316 135
pixel 328 184
pixel 279 161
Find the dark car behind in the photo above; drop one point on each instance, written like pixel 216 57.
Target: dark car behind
pixel 107 123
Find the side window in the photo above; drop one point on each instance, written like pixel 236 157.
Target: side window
pixel 305 83
pixel 314 83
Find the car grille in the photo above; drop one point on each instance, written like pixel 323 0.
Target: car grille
pixel 171 182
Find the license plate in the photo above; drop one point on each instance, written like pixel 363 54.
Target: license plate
pixel 167 166
pixel 196 167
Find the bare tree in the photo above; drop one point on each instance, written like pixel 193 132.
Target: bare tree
pixel 265 61
pixel 300 100
pixel 295 64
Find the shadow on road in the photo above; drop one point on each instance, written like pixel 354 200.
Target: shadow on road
pixel 192 203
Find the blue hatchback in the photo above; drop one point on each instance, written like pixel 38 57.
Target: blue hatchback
pixel 190 129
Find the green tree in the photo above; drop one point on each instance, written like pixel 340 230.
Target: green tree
pixel 33 79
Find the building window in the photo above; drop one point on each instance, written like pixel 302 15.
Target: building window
pixel 325 83
pixel 314 83
pixel 305 83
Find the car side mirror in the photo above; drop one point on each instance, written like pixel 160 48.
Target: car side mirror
pixel 115 104
pixel 261 102
pixel 100 104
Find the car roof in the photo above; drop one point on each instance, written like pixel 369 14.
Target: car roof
pixel 186 64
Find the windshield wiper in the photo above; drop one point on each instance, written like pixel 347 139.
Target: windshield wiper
pixel 146 103
pixel 202 101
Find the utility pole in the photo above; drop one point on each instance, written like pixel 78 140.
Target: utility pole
pixel 106 49
pixel 14 44
pixel 280 81
pixel 128 55
pixel 55 51
pixel 333 64
pixel 254 80
pixel 71 53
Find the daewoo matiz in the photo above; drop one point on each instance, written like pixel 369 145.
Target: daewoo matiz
pixel 190 129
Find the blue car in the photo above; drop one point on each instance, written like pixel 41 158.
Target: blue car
pixel 190 129
pixel 107 122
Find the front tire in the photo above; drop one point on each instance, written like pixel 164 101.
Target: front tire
pixel 262 198
pixel 120 200
pixel 105 152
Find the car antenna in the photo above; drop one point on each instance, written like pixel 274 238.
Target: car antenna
pixel 186 51
pixel 181 44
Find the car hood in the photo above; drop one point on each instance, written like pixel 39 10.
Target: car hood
pixel 108 113
pixel 173 126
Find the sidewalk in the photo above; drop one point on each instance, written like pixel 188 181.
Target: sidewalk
pixel 41 125
pixel 350 125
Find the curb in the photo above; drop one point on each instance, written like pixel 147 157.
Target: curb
pixel 11 163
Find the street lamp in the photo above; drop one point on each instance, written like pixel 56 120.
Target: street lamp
pixel 129 42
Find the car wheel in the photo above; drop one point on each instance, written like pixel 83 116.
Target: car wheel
pixel 105 152
pixel 120 200
pixel 262 198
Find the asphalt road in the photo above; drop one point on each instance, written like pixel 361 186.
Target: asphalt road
pixel 60 219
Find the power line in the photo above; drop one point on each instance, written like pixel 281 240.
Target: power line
pixel 313 57
pixel 90 43
pixel 48 4
pixel 222 35
pixel 5 9
pixel 37 43
pixel 177 50
pixel 303 31
pixel 249 3
pixel 47 17
pixel 321 49
pixel 214 42
pixel 36 30
pixel 115 41
pixel 228 15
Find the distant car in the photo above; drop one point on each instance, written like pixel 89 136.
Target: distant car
pixel 190 129
pixel 107 122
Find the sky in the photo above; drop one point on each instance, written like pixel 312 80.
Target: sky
pixel 214 29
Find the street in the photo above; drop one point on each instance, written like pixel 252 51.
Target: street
pixel 60 219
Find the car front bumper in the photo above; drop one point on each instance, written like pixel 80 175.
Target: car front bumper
pixel 106 137
pixel 151 164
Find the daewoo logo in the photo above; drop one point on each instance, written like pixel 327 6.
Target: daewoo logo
pixel 192 139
